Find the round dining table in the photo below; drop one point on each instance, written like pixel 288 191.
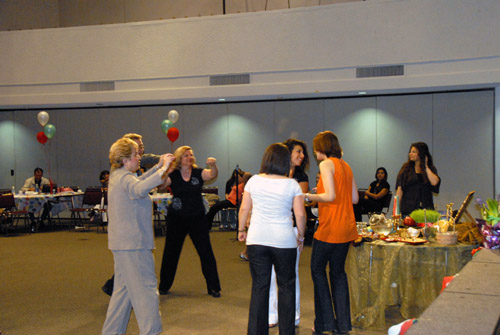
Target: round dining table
pixel 383 274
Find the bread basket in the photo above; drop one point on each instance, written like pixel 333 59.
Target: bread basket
pixel 447 238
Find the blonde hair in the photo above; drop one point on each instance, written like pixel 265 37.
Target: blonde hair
pixel 133 136
pixel 178 156
pixel 122 148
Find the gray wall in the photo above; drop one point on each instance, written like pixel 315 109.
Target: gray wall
pixel 374 131
pixel 308 52
pixel 34 14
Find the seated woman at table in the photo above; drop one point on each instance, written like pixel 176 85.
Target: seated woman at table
pixel 231 197
pixel 417 180
pixel 373 201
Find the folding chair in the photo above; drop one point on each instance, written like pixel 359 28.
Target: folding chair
pixel 10 214
pixel 91 198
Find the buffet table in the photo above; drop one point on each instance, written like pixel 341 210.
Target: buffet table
pixel 383 274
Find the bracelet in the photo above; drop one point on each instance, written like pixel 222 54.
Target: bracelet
pixel 242 230
pixel 300 239
pixel 306 197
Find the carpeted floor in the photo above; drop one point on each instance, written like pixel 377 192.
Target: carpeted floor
pixel 50 283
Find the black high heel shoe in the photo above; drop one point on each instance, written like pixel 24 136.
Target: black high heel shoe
pixel 214 293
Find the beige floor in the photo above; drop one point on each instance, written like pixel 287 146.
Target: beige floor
pixel 50 283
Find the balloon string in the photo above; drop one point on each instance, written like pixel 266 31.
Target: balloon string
pixel 47 158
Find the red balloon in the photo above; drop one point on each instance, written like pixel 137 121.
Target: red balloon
pixel 173 134
pixel 41 137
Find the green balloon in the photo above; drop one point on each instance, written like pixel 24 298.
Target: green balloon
pixel 49 130
pixel 165 125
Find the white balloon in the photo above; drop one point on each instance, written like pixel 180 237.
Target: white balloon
pixel 173 116
pixel 43 118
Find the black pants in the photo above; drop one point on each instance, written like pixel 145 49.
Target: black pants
pixel 365 206
pixel 262 258
pixel 178 226
pixel 219 205
pixel 335 291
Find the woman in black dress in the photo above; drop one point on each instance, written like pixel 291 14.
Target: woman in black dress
pixel 417 180
pixel 186 215
pixel 374 198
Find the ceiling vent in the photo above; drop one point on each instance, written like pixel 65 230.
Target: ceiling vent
pixel 97 86
pixel 230 79
pixel 380 71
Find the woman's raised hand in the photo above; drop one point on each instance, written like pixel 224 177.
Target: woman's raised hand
pixel 211 161
pixel 166 160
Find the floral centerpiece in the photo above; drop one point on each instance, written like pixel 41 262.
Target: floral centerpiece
pixel 489 224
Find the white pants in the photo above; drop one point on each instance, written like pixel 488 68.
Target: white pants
pixel 134 287
pixel 273 294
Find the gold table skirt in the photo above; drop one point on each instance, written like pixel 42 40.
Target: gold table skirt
pixel 384 274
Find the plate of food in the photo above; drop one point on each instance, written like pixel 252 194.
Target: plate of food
pixel 390 239
pixel 414 241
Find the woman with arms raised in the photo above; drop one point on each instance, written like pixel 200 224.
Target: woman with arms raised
pixel 336 193
pixel 130 238
pixel 186 215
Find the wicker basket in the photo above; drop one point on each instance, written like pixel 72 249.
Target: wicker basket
pixel 447 238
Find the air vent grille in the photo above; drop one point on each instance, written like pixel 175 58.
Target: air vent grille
pixel 380 71
pixel 97 86
pixel 230 79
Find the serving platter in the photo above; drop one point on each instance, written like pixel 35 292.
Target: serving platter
pixel 416 241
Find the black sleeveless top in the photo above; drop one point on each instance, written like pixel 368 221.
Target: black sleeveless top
pixel 187 198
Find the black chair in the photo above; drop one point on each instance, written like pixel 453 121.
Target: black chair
pixel 387 203
pixel 91 198
pixel 385 207
pixel 10 214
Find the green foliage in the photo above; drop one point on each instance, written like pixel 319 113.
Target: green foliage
pixel 429 216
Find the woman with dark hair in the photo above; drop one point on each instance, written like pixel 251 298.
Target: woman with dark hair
pixel 374 198
pixel 417 180
pixel 104 179
pixel 186 215
pixel 270 196
pixel 299 161
pixel 336 193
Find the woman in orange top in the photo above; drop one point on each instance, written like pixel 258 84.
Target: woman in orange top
pixel 336 192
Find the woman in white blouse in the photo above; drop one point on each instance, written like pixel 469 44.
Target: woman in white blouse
pixel 270 196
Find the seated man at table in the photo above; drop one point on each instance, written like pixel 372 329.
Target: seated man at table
pixel 37 182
